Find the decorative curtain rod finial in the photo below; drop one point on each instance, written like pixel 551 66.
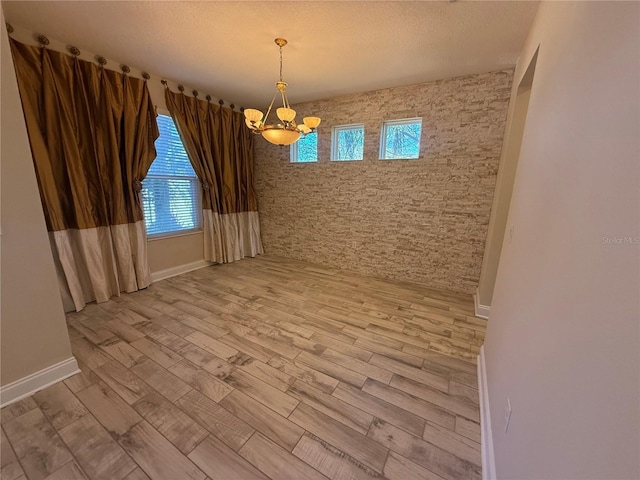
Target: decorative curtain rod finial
pixel 42 40
pixel 164 82
pixel 125 68
pixel 208 97
pixel 75 51
pixel 146 76
pixel 181 88
pixel 101 60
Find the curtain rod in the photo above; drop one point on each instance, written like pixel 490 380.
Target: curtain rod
pixel 196 93
pixel 102 61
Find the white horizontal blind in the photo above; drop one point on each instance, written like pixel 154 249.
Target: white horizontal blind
pixel 171 190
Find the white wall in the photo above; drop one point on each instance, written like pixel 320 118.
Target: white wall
pixel 516 121
pixel 563 336
pixel 34 334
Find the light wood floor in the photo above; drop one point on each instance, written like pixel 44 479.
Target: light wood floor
pixel 264 368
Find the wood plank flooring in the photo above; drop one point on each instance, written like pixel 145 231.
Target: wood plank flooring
pixel 264 368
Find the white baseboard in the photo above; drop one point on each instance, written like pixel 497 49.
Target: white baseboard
pixel 30 384
pixel 488 460
pixel 482 311
pixel 180 269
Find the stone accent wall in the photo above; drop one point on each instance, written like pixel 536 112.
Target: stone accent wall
pixel 422 220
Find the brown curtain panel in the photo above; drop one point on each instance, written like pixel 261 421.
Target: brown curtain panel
pixel 220 148
pixel 92 134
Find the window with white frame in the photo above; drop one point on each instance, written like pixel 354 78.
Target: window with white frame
pixel 347 142
pixel 171 190
pixel 306 149
pixel 400 139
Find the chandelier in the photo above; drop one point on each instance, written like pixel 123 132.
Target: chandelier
pixel 287 131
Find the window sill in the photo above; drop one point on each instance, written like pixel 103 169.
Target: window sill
pixel 164 236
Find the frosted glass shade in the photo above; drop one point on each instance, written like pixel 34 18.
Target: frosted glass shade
pixel 253 115
pixel 280 136
pixel 286 114
pixel 304 129
pixel 311 122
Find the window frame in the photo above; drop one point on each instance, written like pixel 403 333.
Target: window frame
pixel 383 136
pixel 335 131
pixel 196 187
pixel 293 151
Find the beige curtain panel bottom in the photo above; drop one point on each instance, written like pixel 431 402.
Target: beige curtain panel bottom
pixel 95 264
pixel 231 237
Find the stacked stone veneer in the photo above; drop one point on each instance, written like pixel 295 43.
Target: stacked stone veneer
pixel 422 220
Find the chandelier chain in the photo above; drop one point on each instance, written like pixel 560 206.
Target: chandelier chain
pixel 281 64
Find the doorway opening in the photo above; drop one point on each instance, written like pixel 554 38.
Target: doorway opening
pixel 497 231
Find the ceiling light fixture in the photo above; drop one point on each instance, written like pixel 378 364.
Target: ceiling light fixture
pixel 287 131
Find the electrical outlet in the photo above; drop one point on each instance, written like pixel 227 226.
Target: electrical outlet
pixel 507 415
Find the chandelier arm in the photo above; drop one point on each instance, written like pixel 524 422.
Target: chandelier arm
pixel 270 106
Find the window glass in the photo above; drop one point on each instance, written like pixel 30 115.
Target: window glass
pixel 347 142
pixel 400 139
pixel 305 149
pixel 171 190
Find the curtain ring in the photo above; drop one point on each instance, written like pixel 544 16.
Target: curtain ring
pixel 125 68
pixel 101 60
pixel 221 102
pixel 146 76
pixel 75 51
pixel 43 41
pixel 208 97
pixel 181 88
pixel 137 186
pixel 195 93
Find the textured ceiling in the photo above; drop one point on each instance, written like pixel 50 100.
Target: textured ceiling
pixel 226 48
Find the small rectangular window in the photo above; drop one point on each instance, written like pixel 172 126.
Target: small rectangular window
pixel 171 190
pixel 347 142
pixel 306 149
pixel 400 139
